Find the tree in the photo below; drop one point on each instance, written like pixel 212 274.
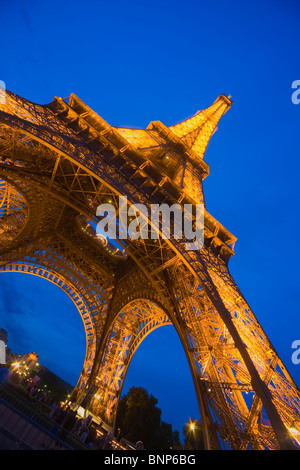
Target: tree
pixel 139 419
pixel 168 439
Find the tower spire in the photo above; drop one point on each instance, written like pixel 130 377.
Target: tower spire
pixel 196 131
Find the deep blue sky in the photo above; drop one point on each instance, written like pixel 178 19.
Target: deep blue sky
pixel 134 62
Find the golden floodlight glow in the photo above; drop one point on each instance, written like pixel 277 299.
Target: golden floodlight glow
pixel 293 429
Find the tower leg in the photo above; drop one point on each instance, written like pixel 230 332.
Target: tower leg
pixel 220 296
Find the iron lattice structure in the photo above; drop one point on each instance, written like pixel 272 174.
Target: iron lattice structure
pixel 58 163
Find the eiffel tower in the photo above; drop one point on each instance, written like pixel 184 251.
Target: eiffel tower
pixel 59 162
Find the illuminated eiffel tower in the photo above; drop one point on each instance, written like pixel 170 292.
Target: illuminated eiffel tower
pixel 58 163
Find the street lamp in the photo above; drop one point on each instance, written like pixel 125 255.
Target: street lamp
pixel 192 425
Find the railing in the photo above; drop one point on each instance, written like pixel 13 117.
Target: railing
pixel 24 426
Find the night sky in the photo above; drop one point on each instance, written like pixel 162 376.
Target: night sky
pixel 134 62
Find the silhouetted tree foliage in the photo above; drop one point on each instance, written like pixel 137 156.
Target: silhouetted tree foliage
pixel 139 419
pixel 58 387
pixel 193 439
pixel 168 438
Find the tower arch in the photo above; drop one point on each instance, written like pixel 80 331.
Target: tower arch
pixel 76 297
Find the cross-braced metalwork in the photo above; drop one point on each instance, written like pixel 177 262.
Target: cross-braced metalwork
pixel 59 162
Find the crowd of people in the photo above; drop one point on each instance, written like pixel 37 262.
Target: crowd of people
pixel 85 430
pixel 65 419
